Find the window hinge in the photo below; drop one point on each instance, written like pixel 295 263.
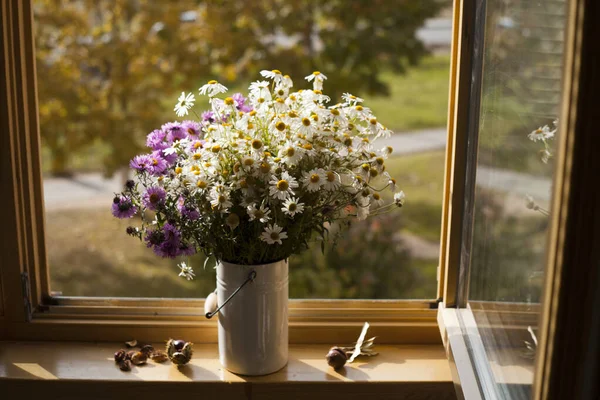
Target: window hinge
pixel 25 286
pixel 435 304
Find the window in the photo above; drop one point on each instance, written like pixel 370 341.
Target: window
pixel 122 65
pixel 491 167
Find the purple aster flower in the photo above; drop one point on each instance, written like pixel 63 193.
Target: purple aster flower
pixel 240 102
pixel 154 197
pixel 156 140
pixel 170 158
pixel 174 131
pixel 192 128
pixel 188 212
pixel 158 163
pixel 208 116
pixel 123 207
pixel 142 163
pixel 186 250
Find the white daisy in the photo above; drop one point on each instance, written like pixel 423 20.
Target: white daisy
pixel 219 199
pixel 185 102
pixel 351 99
pixel 314 179
pixel 290 153
pixel 399 198
pixel 362 213
pixel 212 88
pixel 261 214
pixel 318 80
pixel 332 181
pixel 291 207
pixel 186 271
pixel 273 234
pixel 283 188
pixel 541 133
pixel 376 199
pixel 275 75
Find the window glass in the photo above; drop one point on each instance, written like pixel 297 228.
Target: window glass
pixel 520 103
pixel 110 71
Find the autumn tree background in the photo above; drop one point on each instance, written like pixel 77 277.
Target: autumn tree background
pixel 109 70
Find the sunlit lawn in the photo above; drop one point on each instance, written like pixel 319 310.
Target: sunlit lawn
pixel 90 254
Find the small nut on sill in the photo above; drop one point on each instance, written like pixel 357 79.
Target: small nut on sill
pixel 336 357
pixel 120 356
pixel 139 358
pixel 147 349
pixel 179 351
pixel 125 365
pixel 159 356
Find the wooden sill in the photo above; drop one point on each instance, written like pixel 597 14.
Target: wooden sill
pixel 70 370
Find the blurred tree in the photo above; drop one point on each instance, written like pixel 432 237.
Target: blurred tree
pixel 105 68
pixel 350 41
pixel 369 261
pixel 109 69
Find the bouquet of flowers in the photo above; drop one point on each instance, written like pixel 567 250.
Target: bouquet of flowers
pixel 255 178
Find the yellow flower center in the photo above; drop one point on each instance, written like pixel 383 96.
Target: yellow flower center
pixel 280 92
pixel 154 198
pixel 265 167
pixel 373 121
pixel 252 113
pixel 229 101
pixel 221 199
pixel 243 184
pixel 197 156
pixel 197 145
pixel 359 108
pixel 335 112
pixel 216 148
pixel 365 167
pixel 308 146
pixel 290 152
pixel 376 196
pixel 330 176
pixel 292 207
pixel 379 160
pixel 283 185
pixel 317 92
pixel 178 170
pixel 154 161
pixel 260 100
pixel 305 121
pixel 248 162
pixel 201 184
pixel 274 235
pixel 276 71
pixel 315 178
pixel 190 131
pixel 280 126
pixel 257 144
pixel 316 73
pixel 373 172
pixel 279 100
pixel 293 114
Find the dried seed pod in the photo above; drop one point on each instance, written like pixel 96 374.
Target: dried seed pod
pixel 159 356
pixel 120 356
pixel 130 354
pixel 336 357
pixel 179 351
pixel 139 358
pixel 125 365
pixel 131 343
pixel 147 349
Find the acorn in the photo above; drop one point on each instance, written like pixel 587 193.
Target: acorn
pixel 125 365
pixel 147 349
pixel 139 358
pixel 120 356
pixel 336 357
pixel 159 356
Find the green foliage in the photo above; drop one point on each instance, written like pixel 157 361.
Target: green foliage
pixel 108 69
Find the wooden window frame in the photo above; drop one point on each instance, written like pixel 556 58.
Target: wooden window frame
pixel 28 311
pixel 568 360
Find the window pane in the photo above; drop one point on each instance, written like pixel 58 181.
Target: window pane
pixel 110 71
pixel 520 103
